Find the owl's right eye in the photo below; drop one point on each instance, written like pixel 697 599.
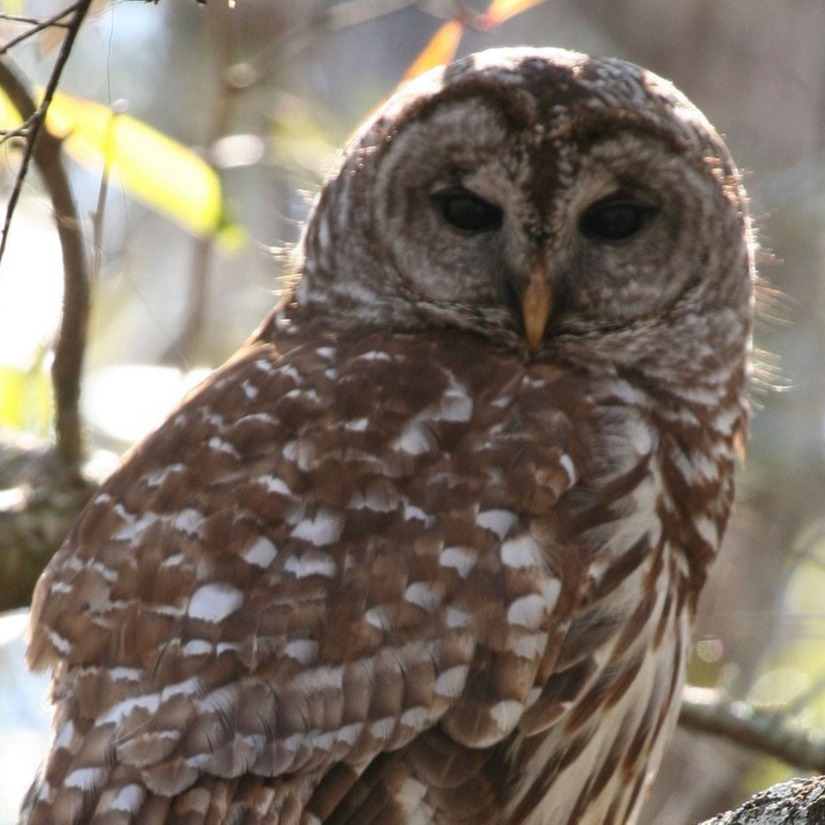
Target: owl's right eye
pixel 466 211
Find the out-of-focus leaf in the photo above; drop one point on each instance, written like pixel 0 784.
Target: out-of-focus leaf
pixel 300 134
pixel 25 399
pixel 441 49
pixel 9 116
pixel 153 168
pixel 500 10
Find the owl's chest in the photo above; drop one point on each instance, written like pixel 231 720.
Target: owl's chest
pixel 621 697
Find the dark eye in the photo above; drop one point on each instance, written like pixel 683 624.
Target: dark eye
pixel 466 211
pixel 615 219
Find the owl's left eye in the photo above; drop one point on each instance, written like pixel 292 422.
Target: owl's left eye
pixel 466 211
pixel 615 219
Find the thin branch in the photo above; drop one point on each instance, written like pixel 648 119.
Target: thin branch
pixel 32 21
pixel 55 21
pixel 768 731
pixel 71 339
pixel 39 116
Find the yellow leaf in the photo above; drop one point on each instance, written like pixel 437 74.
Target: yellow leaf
pixel 441 49
pixel 500 10
pixel 25 399
pixel 9 116
pixel 152 167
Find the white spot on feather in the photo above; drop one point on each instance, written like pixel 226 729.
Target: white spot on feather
pixel 249 390
pixel 174 560
pixel 83 778
pixel 311 563
pixel 134 530
pixel 376 355
pixel 522 551
pixel 65 734
pixel 500 522
pixel 188 521
pixel 382 729
pixel 416 438
pixel 118 712
pixel 460 559
pixel 457 618
pixel 197 647
pixel 349 734
pixel 105 572
pixel 641 436
pixel 411 512
pixel 451 682
pixel 125 674
pixel 357 425
pixel 423 594
pixel 223 699
pixel 129 798
pixel 325 528
pixel 568 467
pixel 301 452
pixel 290 372
pixel 260 553
pixel 530 646
pixel 416 718
pixel 506 714
pixel 304 651
pixel 274 484
pixel 456 404
pixel 189 687
pixel 214 602
pixel 707 529
pixel 220 445
pixel 377 617
pixel 156 478
pixel 62 644
pixel 528 611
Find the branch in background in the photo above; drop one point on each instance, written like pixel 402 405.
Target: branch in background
pixel 45 150
pixel 768 731
pixel 37 26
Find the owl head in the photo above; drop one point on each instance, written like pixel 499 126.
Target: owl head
pixel 542 199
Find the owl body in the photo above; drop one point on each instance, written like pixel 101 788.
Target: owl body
pixel 428 548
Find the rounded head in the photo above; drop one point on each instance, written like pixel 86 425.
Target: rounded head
pixel 531 195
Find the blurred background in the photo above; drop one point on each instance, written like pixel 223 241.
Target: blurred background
pixel 265 91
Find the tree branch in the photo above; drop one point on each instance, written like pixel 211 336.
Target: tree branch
pixel 45 150
pixel 769 731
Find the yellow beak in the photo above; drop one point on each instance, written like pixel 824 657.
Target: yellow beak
pixel 536 307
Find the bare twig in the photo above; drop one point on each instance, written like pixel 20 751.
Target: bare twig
pixel 38 117
pixel 71 339
pixel 768 731
pixel 55 21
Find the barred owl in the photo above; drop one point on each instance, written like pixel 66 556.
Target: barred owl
pixel 428 548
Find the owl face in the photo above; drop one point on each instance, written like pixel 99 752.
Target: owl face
pixel 529 195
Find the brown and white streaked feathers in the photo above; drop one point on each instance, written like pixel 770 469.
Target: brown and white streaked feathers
pixel 427 549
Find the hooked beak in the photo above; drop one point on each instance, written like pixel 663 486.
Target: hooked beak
pixel 536 307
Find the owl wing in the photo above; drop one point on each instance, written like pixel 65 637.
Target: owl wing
pixel 319 556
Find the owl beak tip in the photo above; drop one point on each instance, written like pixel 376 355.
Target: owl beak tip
pixel 536 308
